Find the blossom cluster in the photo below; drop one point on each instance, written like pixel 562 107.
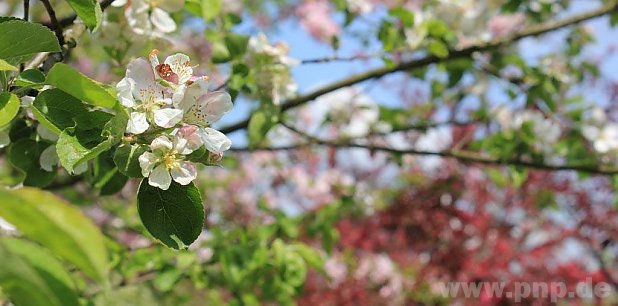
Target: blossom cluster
pixel 547 131
pixel 150 17
pixel 602 134
pixel 274 78
pixel 166 100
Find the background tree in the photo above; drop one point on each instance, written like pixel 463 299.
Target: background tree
pixel 348 152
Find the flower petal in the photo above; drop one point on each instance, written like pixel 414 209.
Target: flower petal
pixel 162 21
pixel 214 105
pixel 49 158
pixel 46 133
pixel 160 177
pixel 167 117
pixel 137 123
pixel 147 161
pixel 215 141
pixel 161 143
pixel 124 90
pixel 119 3
pixel 190 93
pixel 185 173
pixel 181 65
pixel 140 71
pixel 193 141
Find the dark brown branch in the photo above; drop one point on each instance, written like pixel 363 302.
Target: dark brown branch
pixel 55 25
pixel 463 156
pixel 26 10
pixel 430 59
pixel 67 21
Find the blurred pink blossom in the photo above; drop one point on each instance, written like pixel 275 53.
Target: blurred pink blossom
pixel 315 16
pixel 505 24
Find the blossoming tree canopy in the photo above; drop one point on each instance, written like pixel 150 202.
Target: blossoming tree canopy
pixel 347 152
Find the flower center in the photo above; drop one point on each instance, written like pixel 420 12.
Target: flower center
pixel 171 159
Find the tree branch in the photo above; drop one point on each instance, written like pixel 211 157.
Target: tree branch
pixel 55 25
pixel 67 21
pixel 460 155
pixel 431 59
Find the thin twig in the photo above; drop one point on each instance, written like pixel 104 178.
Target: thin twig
pixel 329 59
pixel 56 26
pixel 431 59
pixel 26 17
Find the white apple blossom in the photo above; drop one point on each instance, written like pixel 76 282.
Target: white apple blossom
pixel 199 107
pixel 272 65
pixel 149 101
pixel 167 159
pixel 602 134
pixel 150 17
pixel 604 139
pixel 353 112
pixel 546 130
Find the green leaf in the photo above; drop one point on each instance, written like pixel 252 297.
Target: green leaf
pixel 4 66
pixel 71 81
pixel 211 9
pixel 47 266
pixel 76 147
pixel 24 284
pixel 438 48
pixel 60 227
pixel 30 78
pixel 126 159
pixel 9 106
pixel 174 216
pixel 89 11
pixel 262 120
pixel 106 176
pixel 24 155
pixel 310 255
pixel 236 44
pixel 114 129
pixel 57 110
pixel 21 39
pixel 405 16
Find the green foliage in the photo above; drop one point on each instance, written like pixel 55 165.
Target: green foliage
pixel 76 147
pixel 24 155
pixel 88 11
pixel 56 225
pixel 4 66
pixel 211 9
pixel 28 276
pixel 45 266
pixel 57 110
pixel 21 40
pixel 9 107
pixel 257 264
pixel 80 86
pixel 106 177
pixel 31 78
pixel 174 216
pixel 126 158
pixel 262 120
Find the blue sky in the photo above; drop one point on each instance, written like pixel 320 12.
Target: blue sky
pixel 308 77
